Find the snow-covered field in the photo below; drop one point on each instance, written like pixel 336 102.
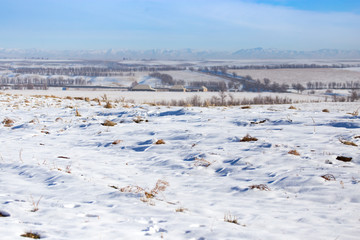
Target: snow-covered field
pixel 190 76
pixel 151 97
pixel 64 175
pixel 303 76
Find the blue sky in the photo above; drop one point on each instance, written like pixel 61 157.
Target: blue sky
pixel 176 24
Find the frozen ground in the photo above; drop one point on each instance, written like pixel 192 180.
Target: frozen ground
pixel 86 187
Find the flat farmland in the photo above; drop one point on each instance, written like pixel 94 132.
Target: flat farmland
pixel 191 76
pixel 290 76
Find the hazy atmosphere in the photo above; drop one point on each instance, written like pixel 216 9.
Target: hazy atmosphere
pixel 201 24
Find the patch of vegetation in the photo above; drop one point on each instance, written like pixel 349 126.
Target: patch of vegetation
pixel 224 100
pixel 35 204
pixel 248 138
pixel 328 177
pixel 8 122
pixel 201 162
pixel 139 119
pixel 108 105
pixel 109 123
pixel 160 141
pixel 294 152
pixel 31 235
pixel 262 187
pixel 231 219
pixel 349 143
pixel 77 114
pixel 148 195
pixel 181 209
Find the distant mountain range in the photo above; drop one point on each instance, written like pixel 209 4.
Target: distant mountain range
pixel 184 54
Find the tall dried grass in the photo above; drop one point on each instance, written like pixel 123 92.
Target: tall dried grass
pixel 8 122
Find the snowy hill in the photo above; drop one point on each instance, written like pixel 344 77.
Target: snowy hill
pixel 177 173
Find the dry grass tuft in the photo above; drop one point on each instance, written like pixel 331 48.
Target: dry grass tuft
pixel 35 204
pixel 181 209
pixel 108 105
pixel 126 106
pixel 77 114
pixel 69 98
pixel 261 187
pixel 328 177
pixel 130 189
pixel 31 235
pixel 355 113
pixel 109 123
pixel 79 98
pixel 349 143
pixel 139 119
pixel 294 152
pixel 344 159
pixel 160 186
pixel 325 110
pixel 8 122
pixel 230 219
pixel 248 138
pixel 35 121
pixel 292 107
pixel 87 99
pixel 201 162
pixel 116 142
pixel 160 141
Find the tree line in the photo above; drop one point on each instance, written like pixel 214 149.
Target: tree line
pixel 33 82
pixel 98 71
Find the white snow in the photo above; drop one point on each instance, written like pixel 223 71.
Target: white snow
pixel 69 166
pixel 151 97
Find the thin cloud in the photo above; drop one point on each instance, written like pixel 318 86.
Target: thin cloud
pixel 146 24
pixel 317 28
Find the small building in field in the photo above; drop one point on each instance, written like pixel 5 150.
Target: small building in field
pixel 196 89
pixel 143 87
pixel 177 88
